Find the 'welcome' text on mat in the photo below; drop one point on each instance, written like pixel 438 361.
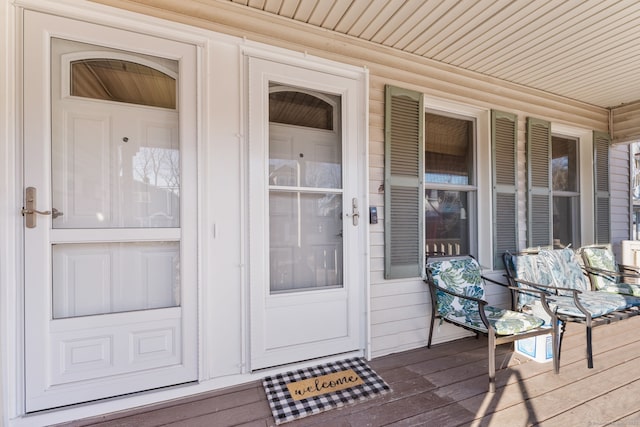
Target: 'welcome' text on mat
pixel 324 384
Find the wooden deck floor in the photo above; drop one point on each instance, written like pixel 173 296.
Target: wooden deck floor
pixel 446 386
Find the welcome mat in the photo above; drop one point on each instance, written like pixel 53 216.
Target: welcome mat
pixel 309 391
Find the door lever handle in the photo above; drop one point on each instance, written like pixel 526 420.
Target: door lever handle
pixel 29 211
pixel 26 211
pixel 55 213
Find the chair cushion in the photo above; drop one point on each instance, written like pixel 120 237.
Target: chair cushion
pixel 602 258
pixel 460 275
pixel 525 267
pixel 564 267
pixel 596 303
pixel 505 322
pixel 622 288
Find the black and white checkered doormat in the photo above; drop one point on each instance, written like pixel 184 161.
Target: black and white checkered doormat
pixel 285 408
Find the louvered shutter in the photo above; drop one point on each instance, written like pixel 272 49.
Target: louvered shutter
pixel 504 140
pixel 403 179
pixel 539 200
pixel 601 143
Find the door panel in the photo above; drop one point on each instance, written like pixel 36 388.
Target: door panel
pixel 110 280
pixel 114 277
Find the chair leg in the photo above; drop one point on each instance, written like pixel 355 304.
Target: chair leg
pixel 589 346
pixel 563 326
pixel 555 337
pixel 431 330
pixel 492 362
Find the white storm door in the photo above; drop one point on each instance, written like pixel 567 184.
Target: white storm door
pixel 306 296
pixel 110 262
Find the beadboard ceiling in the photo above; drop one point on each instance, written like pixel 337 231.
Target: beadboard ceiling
pixel 587 50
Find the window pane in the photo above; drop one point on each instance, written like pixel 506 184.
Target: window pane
pixel 298 108
pixel 122 81
pixel 564 164
pixel 448 150
pixel 446 221
pixel 305 240
pixel 566 222
pixel 101 181
pixel 302 152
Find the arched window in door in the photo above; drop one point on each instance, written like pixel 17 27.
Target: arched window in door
pixel 120 80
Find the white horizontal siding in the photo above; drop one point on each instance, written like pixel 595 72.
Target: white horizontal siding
pixel 400 310
pixel 625 123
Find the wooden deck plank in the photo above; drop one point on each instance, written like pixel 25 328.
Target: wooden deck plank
pixel 447 386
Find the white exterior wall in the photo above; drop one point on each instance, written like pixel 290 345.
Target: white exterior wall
pixel 399 308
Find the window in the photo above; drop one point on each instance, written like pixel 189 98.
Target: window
pixel 565 191
pixel 122 81
pixel 449 181
pixel 430 180
pixel 554 180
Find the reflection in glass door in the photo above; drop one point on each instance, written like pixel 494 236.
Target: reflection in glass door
pixel 305 190
pixel 116 165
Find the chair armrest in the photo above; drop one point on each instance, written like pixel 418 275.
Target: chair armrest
pixel 543 299
pixel 546 288
pixel 610 274
pixel 575 293
pixel 481 303
pixel 495 282
pixel 632 269
pixel 455 294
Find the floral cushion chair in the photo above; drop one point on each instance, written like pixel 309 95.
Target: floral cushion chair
pixel 457 287
pixel 559 275
pixel 607 275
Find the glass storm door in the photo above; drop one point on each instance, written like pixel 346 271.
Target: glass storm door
pixel 110 274
pixel 304 300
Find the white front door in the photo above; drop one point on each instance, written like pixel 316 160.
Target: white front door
pixel 306 284
pixel 110 261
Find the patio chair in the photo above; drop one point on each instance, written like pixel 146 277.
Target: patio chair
pixel 457 291
pixel 607 275
pixel 559 275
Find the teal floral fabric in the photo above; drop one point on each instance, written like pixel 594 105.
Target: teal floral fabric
pixel 525 267
pixel 621 288
pixel 560 268
pixel 504 322
pixel 564 267
pixel 602 258
pixel 463 276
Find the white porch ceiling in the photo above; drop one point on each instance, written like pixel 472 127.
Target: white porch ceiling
pixel 587 50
